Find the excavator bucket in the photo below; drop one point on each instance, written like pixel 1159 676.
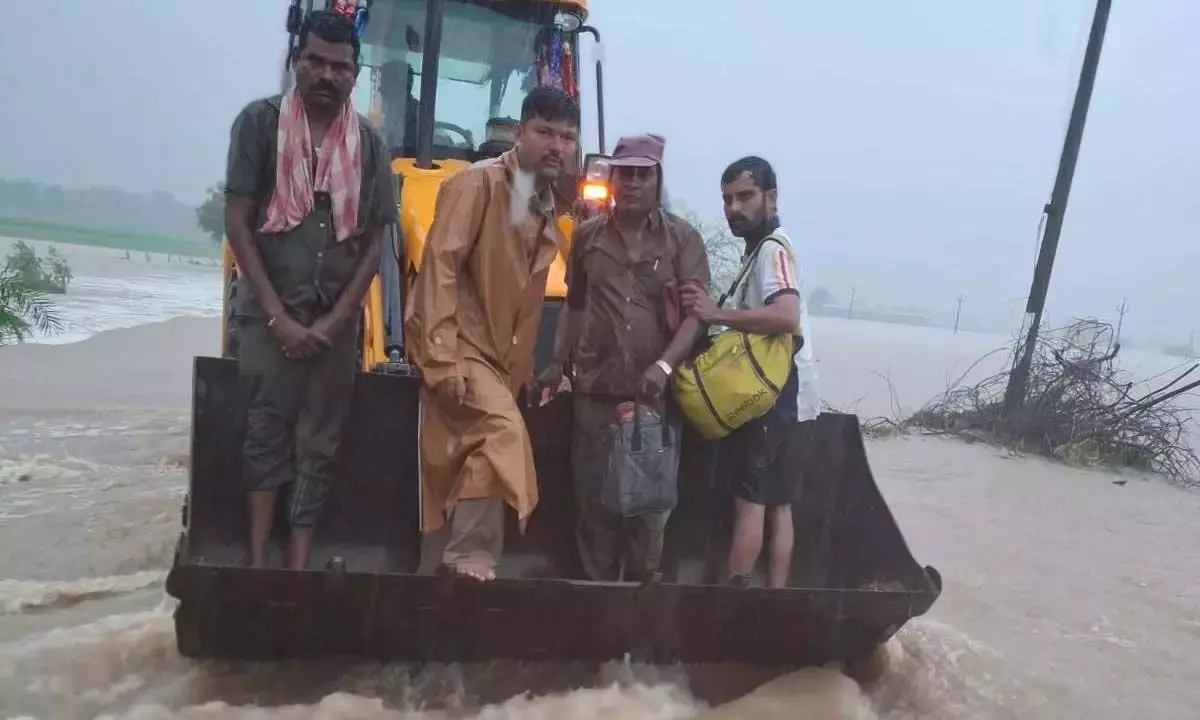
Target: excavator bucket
pixel 854 581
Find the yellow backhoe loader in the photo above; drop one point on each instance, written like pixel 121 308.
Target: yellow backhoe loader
pixel 442 79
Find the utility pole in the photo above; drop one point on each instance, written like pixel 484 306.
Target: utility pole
pixel 1056 209
pixel 958 312
pixel 850 311
pixel 1120 321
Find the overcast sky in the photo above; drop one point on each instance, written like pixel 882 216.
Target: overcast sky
pixel 915 142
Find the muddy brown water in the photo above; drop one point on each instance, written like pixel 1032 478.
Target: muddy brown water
pixel 1067 595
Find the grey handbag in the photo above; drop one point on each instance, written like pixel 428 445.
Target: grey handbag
pixel 643 466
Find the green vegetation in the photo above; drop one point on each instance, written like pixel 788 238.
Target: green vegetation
pixel 74 235
pixel 24 310
pixel 724 251
pixel 158 215
pixel 44 275
pixel 210 216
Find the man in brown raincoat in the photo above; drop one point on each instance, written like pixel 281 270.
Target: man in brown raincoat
pixel 473 322
pixel 624 335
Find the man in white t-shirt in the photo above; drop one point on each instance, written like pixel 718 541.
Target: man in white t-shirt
pixel 762 458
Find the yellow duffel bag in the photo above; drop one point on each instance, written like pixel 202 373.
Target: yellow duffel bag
pixel 736 379
pixel 737 376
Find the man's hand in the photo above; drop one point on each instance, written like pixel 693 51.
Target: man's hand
pixel 654 381
pixel 698 304
pixel 549 384
pixel 327 327
pixel 452 390
pixel 298 342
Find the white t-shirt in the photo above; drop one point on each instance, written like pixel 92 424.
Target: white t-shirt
pixel 774 271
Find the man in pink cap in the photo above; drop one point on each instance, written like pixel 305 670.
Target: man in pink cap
pixel 623 337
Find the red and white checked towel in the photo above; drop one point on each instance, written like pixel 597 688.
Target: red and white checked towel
pixel 339 169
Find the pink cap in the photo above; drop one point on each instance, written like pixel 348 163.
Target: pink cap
pixel 639 151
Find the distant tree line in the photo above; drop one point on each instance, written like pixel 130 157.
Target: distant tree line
pixel 157 213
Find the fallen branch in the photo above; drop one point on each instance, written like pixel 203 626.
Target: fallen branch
pixel 1079 407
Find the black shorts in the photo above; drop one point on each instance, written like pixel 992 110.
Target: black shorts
pixel 763 460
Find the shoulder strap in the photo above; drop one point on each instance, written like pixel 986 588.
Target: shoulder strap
pixel 781 240
pixel 778 239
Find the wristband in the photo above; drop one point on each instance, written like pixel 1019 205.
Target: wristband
pixel 662 365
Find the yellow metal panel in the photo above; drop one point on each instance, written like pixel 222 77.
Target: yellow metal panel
pixel 372 340
pixel 556 283
pixel 418 197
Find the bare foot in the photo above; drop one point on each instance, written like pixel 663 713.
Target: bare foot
pixel 474 571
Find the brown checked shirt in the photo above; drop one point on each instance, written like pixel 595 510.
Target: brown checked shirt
pixel 621 292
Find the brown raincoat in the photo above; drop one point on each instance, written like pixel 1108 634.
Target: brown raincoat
pixel 474 312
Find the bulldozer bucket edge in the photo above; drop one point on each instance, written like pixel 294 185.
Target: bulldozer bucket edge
pixel 856 582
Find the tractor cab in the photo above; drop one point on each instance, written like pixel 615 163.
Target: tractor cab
pixel 437 75
pixel 473 70
pixel 443 81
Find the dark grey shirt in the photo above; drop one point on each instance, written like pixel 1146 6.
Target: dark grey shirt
pixel 306 265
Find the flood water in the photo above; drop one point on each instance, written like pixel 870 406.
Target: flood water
pixel 1069 593
pixel 110 290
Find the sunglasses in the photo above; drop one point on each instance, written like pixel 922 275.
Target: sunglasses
pixel 634 173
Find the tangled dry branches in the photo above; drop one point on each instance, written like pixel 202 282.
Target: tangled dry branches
pixel 1080 407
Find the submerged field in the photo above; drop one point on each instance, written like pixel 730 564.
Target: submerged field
pixel 105 238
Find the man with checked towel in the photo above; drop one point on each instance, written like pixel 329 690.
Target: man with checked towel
pixel 308 192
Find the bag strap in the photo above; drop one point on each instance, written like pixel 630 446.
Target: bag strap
pixel 746 266
pixel 782 241
pixel 741 274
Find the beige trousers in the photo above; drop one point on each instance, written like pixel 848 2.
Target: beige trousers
pixel 473 534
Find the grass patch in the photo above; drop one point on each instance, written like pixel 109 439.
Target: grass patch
pixel 116 239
